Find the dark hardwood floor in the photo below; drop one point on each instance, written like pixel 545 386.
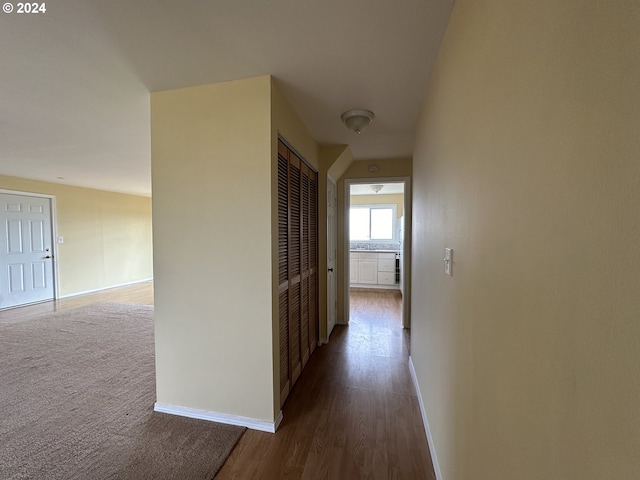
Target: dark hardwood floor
pixel 354 412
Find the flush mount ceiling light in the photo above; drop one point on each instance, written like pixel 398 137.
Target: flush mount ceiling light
pixel 376 188
pixel 357 120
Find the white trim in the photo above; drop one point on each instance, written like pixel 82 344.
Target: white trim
pixel 406 245
pixel 330 308
pixel 25 194
pixel 106 288
pixel 346 274
pixel 405 275
pixel 423 412
pixel 325 340
pixel 54 245
pixel 251 423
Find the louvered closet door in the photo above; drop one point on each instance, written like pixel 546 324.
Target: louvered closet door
pixel 283 272
pixel 314 328
pixel 304 310
pixel 297 263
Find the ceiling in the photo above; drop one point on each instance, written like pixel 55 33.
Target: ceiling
pixel 387 188
pixel 74 102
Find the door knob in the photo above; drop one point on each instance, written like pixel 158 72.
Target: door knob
pixel 330 269
pixel 48 256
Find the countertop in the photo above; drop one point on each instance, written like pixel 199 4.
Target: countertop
pixel 374 251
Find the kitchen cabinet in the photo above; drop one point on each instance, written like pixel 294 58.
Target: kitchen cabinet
pixel 386 274
pixel 373 269
pixel 353 269
pixel 368 268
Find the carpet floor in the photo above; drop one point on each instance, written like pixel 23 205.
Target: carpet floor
pixel 77 390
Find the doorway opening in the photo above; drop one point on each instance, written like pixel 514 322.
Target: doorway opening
pixel 376 252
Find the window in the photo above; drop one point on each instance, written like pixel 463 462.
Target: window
pixel 372 223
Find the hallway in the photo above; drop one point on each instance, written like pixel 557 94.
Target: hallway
pixel 353 413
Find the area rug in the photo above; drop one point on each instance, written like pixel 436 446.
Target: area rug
pixel 77 390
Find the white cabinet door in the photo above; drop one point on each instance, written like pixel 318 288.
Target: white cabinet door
pixel 368 271
pixel 353 268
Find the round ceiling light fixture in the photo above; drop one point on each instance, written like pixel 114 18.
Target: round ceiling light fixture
pixel 357 120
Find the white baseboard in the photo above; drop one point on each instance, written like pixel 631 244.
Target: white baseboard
pixel 251 423
pixel 423 412
pixel 105 288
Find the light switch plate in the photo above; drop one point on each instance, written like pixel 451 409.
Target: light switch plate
pixel 448 261
pixel 60 239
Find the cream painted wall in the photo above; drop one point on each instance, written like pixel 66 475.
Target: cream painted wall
pixel 338 159
pixel 285 121
pixel 526 164
pixel 387 168
pixel 381 199
pixel 107 236
pixel 212 161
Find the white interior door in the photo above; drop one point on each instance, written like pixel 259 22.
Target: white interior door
pixel 332 254
pixel 26 250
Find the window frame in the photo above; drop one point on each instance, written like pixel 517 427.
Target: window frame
pixel 377 206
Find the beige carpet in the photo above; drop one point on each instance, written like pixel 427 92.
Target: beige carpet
pixel 77 390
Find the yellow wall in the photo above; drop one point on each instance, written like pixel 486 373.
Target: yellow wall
pixel 285 121
pixel 211 149
pixel 387 169
pixel 381 199
pixel 107 236
pixel 527 165
pixel 338 158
